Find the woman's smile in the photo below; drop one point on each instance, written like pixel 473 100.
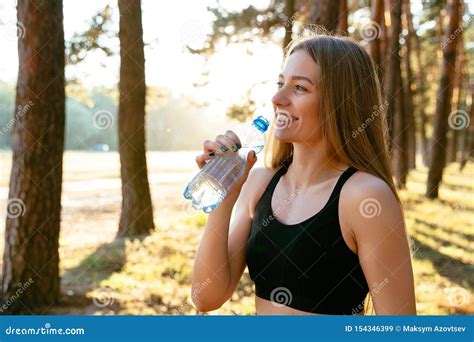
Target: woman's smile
pixel 284 120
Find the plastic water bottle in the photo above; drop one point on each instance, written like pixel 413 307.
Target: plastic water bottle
pixel 210 186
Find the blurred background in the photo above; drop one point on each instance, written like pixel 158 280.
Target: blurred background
pixel 103 111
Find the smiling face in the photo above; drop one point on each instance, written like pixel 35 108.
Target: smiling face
pixel 297 101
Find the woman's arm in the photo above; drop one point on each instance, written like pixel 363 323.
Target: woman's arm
pixel 377 223
pixel 220 258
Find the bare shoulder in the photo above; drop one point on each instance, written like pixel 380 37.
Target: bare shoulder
pixel 368 205
pixel 257 182
pixel 363 184
pixel 260 173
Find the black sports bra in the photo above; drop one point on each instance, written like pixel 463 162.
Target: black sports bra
pixel 306 266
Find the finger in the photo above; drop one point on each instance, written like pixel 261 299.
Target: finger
pixel 234 138
pixel 210 146
pixel 203 158
pixel 228 143
pixel 251 160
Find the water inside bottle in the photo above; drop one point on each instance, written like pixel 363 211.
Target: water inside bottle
pixel 205 192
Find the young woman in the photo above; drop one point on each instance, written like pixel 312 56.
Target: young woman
pixel 321 229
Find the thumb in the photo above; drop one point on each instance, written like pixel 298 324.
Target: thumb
pixel 251 160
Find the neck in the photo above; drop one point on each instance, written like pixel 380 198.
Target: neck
pixel 310 166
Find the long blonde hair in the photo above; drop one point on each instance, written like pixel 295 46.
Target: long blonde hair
pixel 353 118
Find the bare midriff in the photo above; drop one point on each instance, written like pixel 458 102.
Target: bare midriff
pixel 266 307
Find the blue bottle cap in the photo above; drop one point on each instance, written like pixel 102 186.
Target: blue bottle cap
pixel 261 123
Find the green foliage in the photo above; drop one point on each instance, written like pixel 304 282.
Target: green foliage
pixel 81 43
pixel 7 99
pixel 241 112
pixel 173 123
pixel 250 24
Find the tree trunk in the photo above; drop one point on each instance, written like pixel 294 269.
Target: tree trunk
pixel 467 147
pixel 136 217
pixel 443 100
pixel 342 24
pixel 420 90
pixel 324 13
pixel 375 49
pixel 408 92
pixel 393 65
pixel 30 279
pixel 458 102
pixel 290 18
pixel 401 131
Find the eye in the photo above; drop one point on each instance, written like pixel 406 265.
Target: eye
pixel 279 84
pixel 300 88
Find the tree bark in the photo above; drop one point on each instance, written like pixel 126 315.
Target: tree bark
pixel 375 49
pixel 420 90
pixel 391 83
pixel 342 23
pixel 443 103
pixel 30 279
pixel 325 13
pixel 290 18
pixel 408 92
pixel 400 142
pixel 467 149
pixel 136 216
pixel 458 101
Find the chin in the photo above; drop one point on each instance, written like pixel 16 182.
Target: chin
pixel 284 137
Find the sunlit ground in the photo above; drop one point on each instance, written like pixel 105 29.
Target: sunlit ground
pixel 101 275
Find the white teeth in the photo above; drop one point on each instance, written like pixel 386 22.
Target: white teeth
pixel 285 114
pixel 283 120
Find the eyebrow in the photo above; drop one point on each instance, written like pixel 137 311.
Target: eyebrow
pixel 296 77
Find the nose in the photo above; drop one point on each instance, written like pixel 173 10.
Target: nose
pixel 280 98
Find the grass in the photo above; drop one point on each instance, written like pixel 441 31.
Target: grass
pixel 152 275
pixel 442 235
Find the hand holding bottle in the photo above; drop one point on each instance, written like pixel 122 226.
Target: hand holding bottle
pixel 225 164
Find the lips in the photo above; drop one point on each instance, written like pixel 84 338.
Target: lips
pixel 284 120
pixel 288 115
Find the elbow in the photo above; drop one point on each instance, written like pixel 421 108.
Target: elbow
pixel 202 305
pixel 204 297
pixel 205 301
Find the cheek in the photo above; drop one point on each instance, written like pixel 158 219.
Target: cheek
pixel 309 111
pixel 307 127
pixel 310 120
